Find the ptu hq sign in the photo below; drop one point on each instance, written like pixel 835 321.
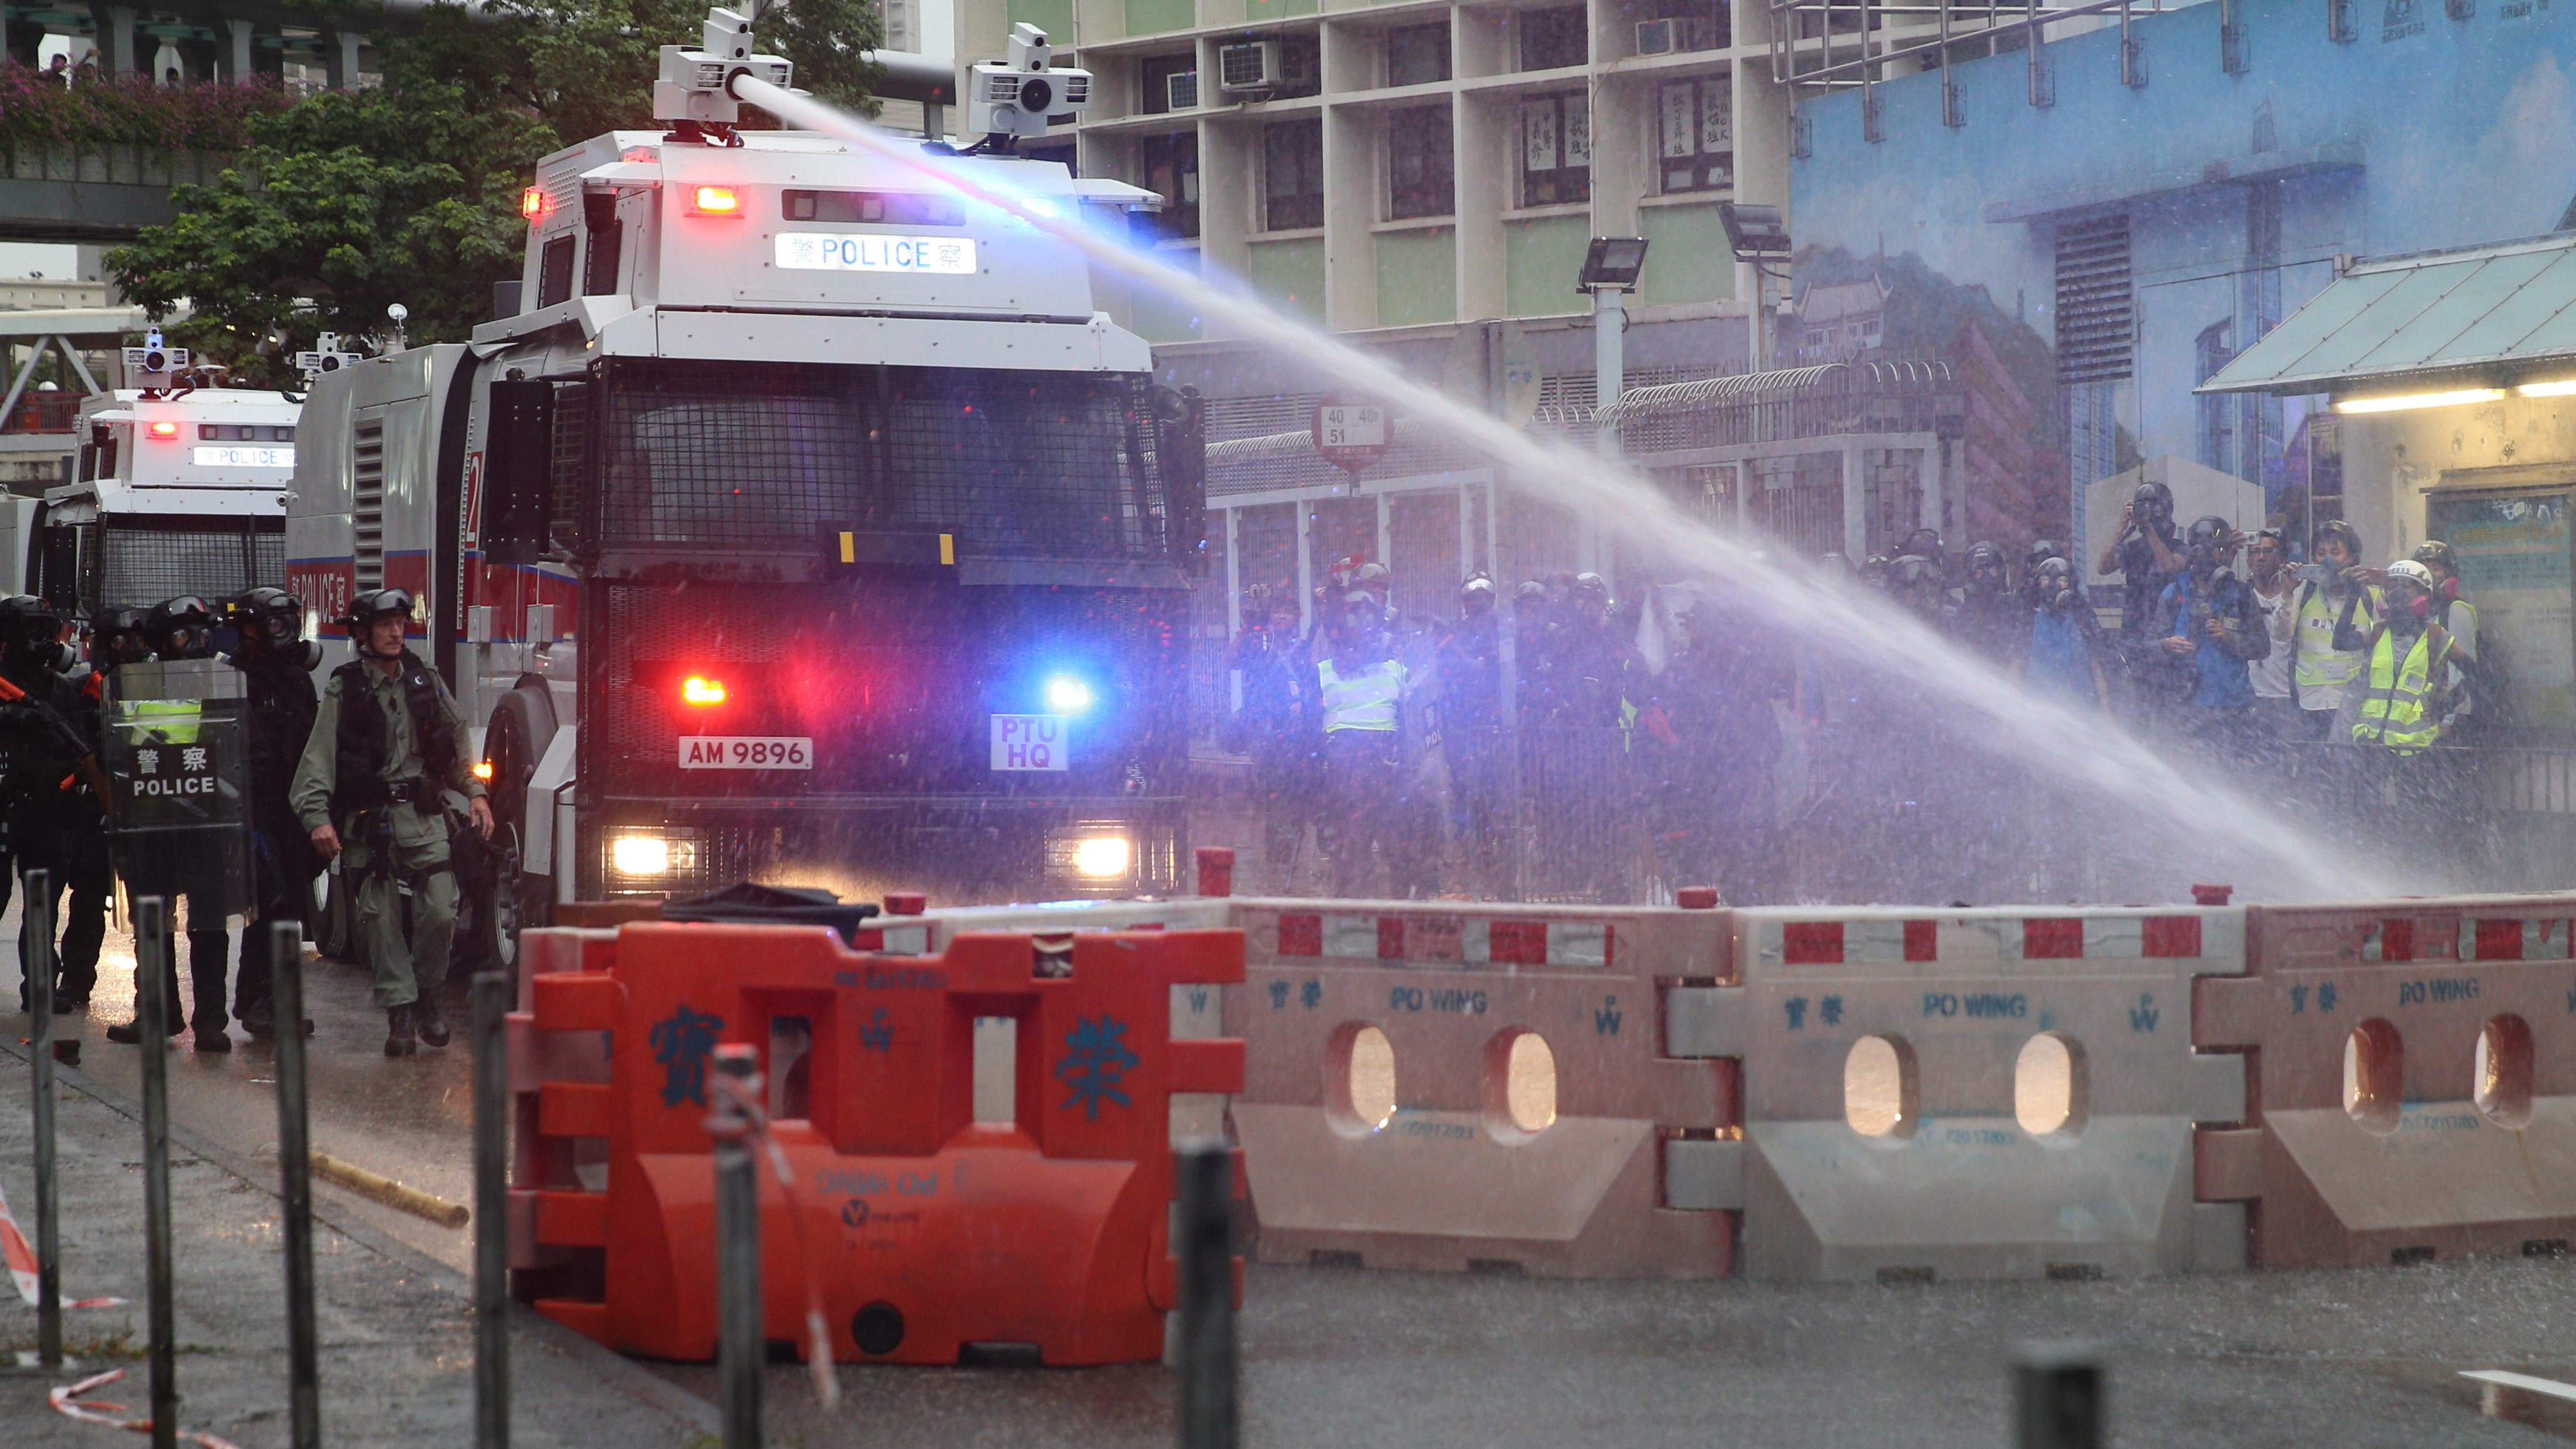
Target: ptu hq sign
pixel 1031 742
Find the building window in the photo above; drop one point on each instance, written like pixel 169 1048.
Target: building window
pixel 1418 167
pixel 2209 353
pixel 1552 39
pixel 1417 54
pixel 1170 82
pixel 1292 175
pixel 1171 167
pixel 1556 149
pixel 1697 151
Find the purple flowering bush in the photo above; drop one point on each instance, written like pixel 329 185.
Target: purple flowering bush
pixel 38 109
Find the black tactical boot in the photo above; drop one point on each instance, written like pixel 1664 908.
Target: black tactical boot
pixel 399 1041
pixel 432 1026
pixel 130 1033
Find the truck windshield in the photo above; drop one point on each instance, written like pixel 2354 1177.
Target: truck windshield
pixel 1016 464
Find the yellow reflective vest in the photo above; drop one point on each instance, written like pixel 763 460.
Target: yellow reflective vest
pixel 1366 700
pixel 2392 713
pixel 2322 671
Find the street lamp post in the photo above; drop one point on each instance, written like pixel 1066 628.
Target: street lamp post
pixel 1759 235
pixel 1609 273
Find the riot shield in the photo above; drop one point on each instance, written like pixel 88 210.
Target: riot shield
pixel 178 768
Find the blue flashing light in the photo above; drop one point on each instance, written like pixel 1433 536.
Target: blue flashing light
pixel 1067 695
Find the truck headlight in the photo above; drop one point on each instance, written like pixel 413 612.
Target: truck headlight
pixel 653 860
pixel 1103 857
pixel 1092 855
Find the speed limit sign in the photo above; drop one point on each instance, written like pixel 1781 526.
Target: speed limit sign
pixel 1352 435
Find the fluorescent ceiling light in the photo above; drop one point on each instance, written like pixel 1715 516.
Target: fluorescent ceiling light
pixel 2561 387
pixel 2399 402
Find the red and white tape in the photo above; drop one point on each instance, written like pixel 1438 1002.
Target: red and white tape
pixel 67 1401
pixel 23 1265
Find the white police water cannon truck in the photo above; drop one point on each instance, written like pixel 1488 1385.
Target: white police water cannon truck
pixel 806 525
pixel 180 488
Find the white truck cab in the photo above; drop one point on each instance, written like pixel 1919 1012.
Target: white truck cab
pixel 178 491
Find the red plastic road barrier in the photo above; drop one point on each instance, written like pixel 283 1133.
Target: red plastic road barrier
pixel 1455 1179
pixel 934 1234
pixel 2413 1080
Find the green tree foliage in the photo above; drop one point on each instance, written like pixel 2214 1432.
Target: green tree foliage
pixel 349 202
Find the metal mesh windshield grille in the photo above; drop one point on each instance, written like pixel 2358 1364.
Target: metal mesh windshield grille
pixel 141 566
pixel 1016 464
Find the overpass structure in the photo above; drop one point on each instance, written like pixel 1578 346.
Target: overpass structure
pixel 39 427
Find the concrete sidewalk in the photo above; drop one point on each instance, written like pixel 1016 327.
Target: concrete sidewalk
pixel 397 1340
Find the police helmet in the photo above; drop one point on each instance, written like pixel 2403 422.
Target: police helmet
pixel 116 637
pixel 29 630
pixel 180 628
pixel 272 616
pixel 2040 551
pixel 2152 502
pixel 2053 576
pixel 376 604
pixel 1986 557
pixel 1591 583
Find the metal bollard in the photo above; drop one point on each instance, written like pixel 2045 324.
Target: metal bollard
pixel 740 1345
pixel 1209 1415
pixel 151 978
pixel 491 1211
pixel 2057 1393
pixel 38 925
pixel 295 1184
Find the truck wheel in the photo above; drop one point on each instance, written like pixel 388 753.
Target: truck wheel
pixel 516 901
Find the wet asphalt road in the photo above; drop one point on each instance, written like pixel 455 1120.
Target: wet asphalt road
pixel 2365 1358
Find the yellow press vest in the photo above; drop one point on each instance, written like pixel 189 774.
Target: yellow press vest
pixel 2321 665
pixel 1365 701
pixel 2392 713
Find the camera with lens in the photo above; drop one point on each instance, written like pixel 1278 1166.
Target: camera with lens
pixel 1015 97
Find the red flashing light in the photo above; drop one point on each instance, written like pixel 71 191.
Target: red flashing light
pixel 534 203
pixel 165 430
pixel 702 692
pixel 715 201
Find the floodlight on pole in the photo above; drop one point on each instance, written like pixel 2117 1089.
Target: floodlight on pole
pixel 1613 261
pixel 1757 234
pixel 1610 270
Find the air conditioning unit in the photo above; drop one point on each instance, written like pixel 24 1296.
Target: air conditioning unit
pixel 1181 90
pixel 1251 65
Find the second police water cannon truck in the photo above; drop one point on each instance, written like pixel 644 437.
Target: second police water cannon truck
pixel 808 526
pixel 180 489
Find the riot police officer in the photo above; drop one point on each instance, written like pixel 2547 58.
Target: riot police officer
pixel 387 741
pixel 277 663
pixel 177 629
pixel 48 801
